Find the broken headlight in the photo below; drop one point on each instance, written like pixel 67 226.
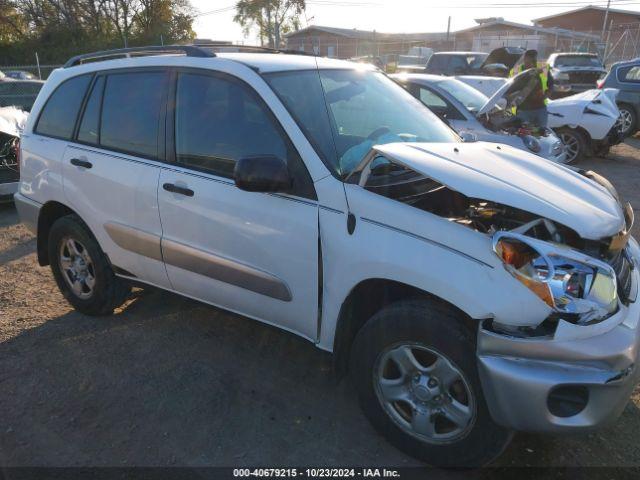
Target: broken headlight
pixel 531 143
pixel 568 281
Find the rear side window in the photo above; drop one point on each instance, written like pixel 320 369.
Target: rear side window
pixel 131 111
pixel 58 117
pixel 432 100
pixel 90 124
pixel 630 74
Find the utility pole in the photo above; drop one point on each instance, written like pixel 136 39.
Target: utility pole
pixel 606 17
pixel 448 27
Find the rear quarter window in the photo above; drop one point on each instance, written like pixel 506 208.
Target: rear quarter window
pixel 629 74
pixel 58 117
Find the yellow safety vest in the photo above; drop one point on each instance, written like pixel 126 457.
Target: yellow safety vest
pixel 544 79
pixel 543 76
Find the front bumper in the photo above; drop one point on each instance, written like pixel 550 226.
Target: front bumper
pixel 28 210
pixel 522 379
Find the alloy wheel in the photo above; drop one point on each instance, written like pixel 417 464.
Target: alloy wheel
pixel 624 122
pixel 77 267
pixel 571 145
pixel 424 393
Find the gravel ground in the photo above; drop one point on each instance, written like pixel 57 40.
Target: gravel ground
pixel 168 381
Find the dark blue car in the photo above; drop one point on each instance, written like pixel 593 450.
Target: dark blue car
pixel 625 76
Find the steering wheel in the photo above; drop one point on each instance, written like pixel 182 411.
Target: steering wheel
pixel 378 132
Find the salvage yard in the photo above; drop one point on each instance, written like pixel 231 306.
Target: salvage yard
pixel 169 381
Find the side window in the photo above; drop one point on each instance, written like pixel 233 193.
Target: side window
pixel 131 112
pixel 432 100
pixel 458 64
pixel 219 121
pixel 438 62
pixel 439 105
pixel 58 117
pixel 88 132
pixel 630 74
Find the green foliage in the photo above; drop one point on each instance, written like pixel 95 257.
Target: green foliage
pixel 60 29
pixel 271 18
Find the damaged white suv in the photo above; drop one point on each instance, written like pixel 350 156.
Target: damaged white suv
pixel 469 289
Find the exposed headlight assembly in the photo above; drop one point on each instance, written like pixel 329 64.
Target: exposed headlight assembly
pixel 570 282
pixel 558 148
pixel 531 143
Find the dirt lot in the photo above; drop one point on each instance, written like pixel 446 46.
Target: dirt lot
pixel 168 381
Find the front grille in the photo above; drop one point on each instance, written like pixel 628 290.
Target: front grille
pixel 623 268
pixel 584 77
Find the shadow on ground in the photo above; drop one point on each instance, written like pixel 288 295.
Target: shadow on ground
pixel 169 381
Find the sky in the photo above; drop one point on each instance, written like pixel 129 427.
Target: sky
pixel 215 20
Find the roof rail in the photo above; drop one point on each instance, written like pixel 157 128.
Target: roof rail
pixel 252 48
pixel 188 50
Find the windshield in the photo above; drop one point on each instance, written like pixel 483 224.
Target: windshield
pixel 578 61
pixel 344 113
pixel 476 61
pixel 472 99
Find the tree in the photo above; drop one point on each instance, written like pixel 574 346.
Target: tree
pixel 13 26
pixel 272 18
pixel 171 20
pixel 59 29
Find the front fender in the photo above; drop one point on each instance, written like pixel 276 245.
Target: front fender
pixel 403 244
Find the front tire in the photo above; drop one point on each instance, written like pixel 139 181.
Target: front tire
pixel 81 269
pixel 414 367
pixel 575 143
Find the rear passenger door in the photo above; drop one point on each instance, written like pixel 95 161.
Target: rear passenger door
pixel 253 253
pixel 112 167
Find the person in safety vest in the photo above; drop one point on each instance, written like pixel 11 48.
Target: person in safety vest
pixel 533 109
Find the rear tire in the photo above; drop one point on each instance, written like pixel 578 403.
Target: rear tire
pixel 628 120
pixel 575 143
pixel 82 270
pixel 434 409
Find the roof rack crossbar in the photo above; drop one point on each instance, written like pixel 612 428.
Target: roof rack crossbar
pixel 188 50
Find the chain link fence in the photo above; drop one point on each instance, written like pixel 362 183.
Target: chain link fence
pixel 20 84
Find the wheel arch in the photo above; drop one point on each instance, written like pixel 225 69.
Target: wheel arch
pixel 49 213
pixel 367 298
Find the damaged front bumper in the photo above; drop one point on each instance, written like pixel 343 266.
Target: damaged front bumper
pixel 579 379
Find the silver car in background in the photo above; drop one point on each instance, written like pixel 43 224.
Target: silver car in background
pixel 472 114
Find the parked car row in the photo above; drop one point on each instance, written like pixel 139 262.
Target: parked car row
pixel 587 123
pixel 476 117
pixel 469 289
pixel 569 74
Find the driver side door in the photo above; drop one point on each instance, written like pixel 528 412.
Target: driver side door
pixel 248 252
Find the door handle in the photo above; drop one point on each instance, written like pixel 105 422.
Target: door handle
pixel 81 163
pixel 173 188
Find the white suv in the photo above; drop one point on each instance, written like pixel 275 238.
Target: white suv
pixel 470 289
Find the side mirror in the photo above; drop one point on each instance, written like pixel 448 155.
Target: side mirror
pixel 266 173
pixel 468 137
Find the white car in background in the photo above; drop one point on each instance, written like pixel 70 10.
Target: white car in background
pixel 12 122
pixel 476 117
pixel 585 122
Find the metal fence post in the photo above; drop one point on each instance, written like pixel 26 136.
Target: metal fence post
pixel 38 64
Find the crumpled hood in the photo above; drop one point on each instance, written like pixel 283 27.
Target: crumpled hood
pixel 12 121
pixel 514 90
pixel 515 178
